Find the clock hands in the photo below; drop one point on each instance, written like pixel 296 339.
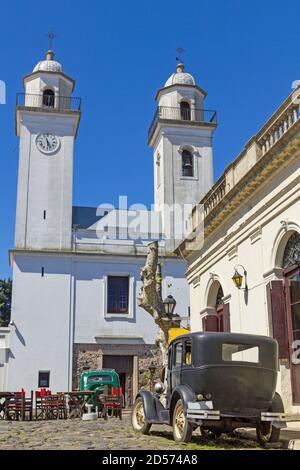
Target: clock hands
pixel 47 142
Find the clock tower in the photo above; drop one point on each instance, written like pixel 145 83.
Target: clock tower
pixel 47 120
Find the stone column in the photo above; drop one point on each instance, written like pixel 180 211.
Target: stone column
pixel 100 360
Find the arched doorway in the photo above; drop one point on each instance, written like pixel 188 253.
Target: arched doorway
pixel 291 267
pixel 218 318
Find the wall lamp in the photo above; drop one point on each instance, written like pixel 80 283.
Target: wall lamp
pixel 238 278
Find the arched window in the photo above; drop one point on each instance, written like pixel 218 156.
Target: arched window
pixel 185 111
pixel 187 163
pixel 48 98
pixel 291 254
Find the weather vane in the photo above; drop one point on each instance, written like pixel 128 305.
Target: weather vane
pixel 51 36
pixel 180 51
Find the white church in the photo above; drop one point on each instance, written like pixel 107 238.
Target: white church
pixel 76 270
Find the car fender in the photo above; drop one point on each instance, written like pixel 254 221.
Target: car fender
pixel 150 409
pixel 184 393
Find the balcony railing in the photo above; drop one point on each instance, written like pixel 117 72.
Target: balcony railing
pixel 216 196
pixel 48 102
pixel 193 115
pixel 278 125
pixel 284 119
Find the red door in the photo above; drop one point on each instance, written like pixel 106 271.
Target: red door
pixel 293 324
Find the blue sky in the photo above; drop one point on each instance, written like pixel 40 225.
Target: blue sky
pixel 243 53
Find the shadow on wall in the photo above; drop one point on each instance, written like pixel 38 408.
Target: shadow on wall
pixel 19 334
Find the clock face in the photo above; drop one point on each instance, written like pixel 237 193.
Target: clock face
pixel 47 143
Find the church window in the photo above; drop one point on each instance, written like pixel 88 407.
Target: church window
pixel 117 294
pixel 187 163
pixel 48 98
pixel 185 111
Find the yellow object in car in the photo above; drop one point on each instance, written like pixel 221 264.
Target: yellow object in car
pixel 175 332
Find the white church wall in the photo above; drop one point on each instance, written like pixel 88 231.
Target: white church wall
pixel 60 299
pixel 40 335
pixel 92 321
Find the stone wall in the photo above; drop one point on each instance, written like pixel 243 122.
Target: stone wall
pixel 89 357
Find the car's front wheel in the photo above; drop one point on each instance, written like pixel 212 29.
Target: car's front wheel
pixel 182 429
pixel 265 431
pixel 138 417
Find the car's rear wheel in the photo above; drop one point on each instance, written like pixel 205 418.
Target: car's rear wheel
pixel 265 431
pixel 182 429
pixel 138 417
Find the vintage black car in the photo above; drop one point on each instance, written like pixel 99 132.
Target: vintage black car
pixel 218 381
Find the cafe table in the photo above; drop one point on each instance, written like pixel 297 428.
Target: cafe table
pixel 77 400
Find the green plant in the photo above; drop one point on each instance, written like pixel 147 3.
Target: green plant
pixel 5 301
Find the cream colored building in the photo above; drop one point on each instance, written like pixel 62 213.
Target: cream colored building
pixel 252 223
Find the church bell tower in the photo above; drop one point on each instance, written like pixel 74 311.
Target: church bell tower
pixel 47 120
pixel 181 137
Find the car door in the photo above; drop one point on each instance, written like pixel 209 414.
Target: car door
pixel 177 355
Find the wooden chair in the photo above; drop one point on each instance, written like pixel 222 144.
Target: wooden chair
pixel 28 406
pixel 55 407
pixel 112 404
pixel 14 406
pixel 42 404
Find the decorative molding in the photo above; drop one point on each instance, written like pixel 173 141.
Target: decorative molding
pixel 232 252
pixel 255 235
pixel 273 274
pixel 226 299
pixel 196 281
pixel 106 339
pixel 207 311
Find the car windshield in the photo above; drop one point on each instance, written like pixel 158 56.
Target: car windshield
pixel 99 378
pixel 240 352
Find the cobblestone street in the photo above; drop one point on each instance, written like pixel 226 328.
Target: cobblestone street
pixel 105 435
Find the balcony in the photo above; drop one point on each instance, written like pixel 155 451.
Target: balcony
pixel 256 159
pixel 48 102
pixel 171 115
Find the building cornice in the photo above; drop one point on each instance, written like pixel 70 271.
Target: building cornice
pixel 230 240
pixel 80 254
pixel 281 154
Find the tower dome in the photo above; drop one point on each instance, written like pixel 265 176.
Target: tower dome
pixel 48 65
pixel 180 77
